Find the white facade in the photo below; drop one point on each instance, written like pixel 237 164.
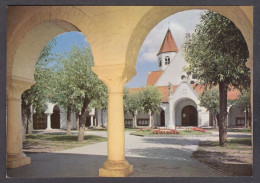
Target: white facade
pixel 164 59
pixel 173 72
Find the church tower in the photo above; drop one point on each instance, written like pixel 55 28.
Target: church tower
pixel 167 51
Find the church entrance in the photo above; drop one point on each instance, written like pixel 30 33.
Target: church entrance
pixel 189 116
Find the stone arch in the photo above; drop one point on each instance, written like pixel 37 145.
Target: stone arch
pixel 156 14
pixel 179 105
pixel 30 32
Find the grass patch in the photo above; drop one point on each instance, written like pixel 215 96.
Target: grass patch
pixel 243 130
pixel 238 144
pixel 54 142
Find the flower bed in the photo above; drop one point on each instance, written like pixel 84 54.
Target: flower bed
pixel 165 131
pixel 198 129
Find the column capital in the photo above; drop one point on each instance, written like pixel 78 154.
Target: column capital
pixel 16 86
pixel 114 76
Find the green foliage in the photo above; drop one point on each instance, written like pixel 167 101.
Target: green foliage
pixel 210 100
pixel 217 52
pixel 74 80
pixel 145 100
pixel 43 76
pixel 243 101
pixel 132 101
pixel 150 99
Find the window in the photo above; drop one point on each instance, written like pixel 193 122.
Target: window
pixel 167 60
pixel 143 122
pixel 160 62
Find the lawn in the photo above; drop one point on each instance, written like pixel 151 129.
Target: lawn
pixel 148 132
pixel 235 159
pixel 56 142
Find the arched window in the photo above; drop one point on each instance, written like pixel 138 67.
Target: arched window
pixel 167 60
pixel 160 62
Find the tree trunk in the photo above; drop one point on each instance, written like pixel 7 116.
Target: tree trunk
pixel 247 119
pixel 214 120
pixel 133 120
pixel 152 120
pixel 30 122
pixel 96 117
pixel 68 131
pixel 82 119
pixel 102 123
pixel 222 114
pixel 77 121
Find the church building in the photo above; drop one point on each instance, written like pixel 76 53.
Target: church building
pixel 180 99
pixel 180 104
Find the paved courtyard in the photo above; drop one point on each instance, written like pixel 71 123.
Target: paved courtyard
pixel 151 157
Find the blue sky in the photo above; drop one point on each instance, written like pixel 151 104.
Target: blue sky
pixel 179 24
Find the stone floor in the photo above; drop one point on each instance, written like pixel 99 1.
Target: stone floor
pixel 150 156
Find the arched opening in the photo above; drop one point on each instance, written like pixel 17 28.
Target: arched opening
pixel 186 113
pixel 55 118
pixel 162 118
pixel 189 116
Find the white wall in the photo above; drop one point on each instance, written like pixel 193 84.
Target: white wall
pixel 173 72
pixel 162 57
pixel 233 114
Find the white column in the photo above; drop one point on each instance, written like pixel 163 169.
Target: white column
pixel 91 121
pixel 171 123
pixel 150 119
pixel 199 117
pixel 48 121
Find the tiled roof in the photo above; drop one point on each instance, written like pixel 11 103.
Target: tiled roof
pixel 168 44
pixel 232 94
pixel 153 77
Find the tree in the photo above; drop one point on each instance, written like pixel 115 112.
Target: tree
pixel 243 103
pixel 132 104
pixel 216 53
pixel 210 100
pixel 150 101
pixel 77 88
pixel 42 89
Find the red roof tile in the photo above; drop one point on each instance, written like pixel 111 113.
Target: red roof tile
pixel 153 77
pixel 232 94
pixel 168 44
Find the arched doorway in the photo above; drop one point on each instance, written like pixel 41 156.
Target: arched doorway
pixel 189 116
pixel 55 118
pixel 162 118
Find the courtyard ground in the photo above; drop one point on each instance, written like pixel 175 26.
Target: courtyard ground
pixel 151 157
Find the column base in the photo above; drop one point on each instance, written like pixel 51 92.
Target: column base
pixel 116 169
pixel 171 127
pixel 14 161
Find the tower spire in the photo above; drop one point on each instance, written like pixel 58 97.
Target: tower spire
pixel 168 44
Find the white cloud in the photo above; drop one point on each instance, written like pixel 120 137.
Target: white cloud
pixel 179 24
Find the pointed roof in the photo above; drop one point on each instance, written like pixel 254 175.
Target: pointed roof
pixel 168 44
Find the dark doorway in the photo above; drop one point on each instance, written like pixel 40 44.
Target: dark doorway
pixel 189 116
pixel 55 118
pixel 39 121
pixel 162 115
pixel 88 121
